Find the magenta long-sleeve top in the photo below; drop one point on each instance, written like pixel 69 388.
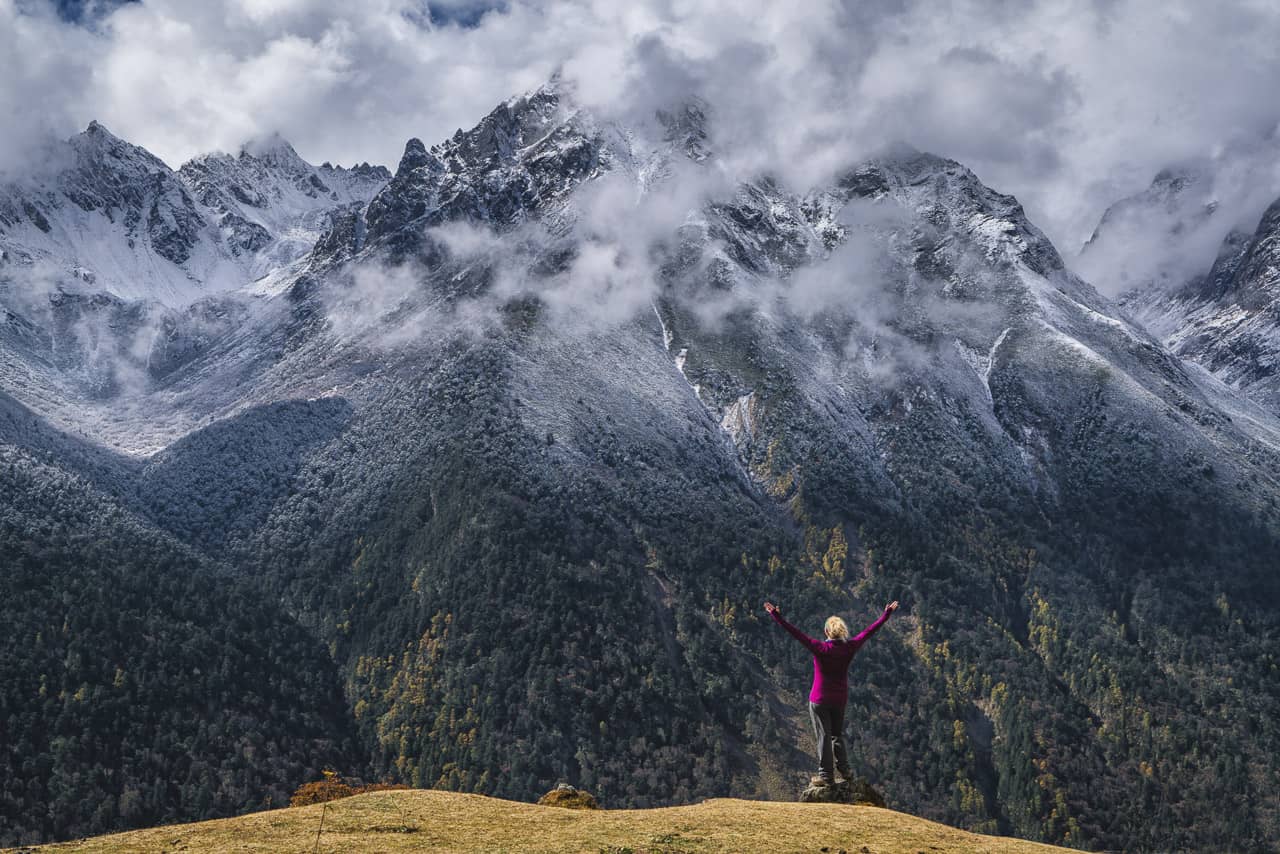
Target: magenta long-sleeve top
pixel 831 660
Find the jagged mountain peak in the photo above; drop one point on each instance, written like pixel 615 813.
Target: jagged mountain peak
pixel 268 152
pixel 510 127
pixel 1165 206
pixel 271 203
pixel 97 131
pixel 525 154
pixel 275 151
pixel 554 90
pixel 96 147
pixel 96 136
pixel 1244 274
pixel 948 198
pixel 416 156
pixel 903 164
pixel 109 212
pixel 1173 235
pixel 1204 280
pixel 267 143
pixel 96 128
pixel 363 169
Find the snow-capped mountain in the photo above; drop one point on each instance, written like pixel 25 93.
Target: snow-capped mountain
pixel 523 161
pixel 1217 310
pixel 555 371
pixel 272 205
pixel 1179 204
pixel 107 216
pixel 525 153
pixel 1227 319
pixel 115 270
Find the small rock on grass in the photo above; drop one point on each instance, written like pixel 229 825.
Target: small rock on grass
pixel 567 796
pixel 849 792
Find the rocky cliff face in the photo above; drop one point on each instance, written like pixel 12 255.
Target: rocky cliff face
pixel 523 158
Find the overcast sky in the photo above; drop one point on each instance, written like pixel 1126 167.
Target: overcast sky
pixel 1067 104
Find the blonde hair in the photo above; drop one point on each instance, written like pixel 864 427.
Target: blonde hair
pixel 836 628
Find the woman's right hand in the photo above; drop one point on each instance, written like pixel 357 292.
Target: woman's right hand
pixel 893 606
pixel 770 607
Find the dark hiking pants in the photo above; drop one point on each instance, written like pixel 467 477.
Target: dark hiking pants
pixel 828 729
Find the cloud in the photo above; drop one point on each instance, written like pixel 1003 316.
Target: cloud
pixel 1172 232
pixel 44 62
pixel 595 267
pixel 1068 104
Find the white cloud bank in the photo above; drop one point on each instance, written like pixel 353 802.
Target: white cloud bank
pixel 1067 104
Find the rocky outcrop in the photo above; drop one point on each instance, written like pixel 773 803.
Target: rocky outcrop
pixel 846 792
pixel 569 797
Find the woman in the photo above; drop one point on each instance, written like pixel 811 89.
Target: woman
pixel 830 690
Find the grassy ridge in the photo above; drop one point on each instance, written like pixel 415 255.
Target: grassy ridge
pixel 423 820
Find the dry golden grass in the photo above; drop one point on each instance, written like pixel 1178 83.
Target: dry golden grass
pixel 420 820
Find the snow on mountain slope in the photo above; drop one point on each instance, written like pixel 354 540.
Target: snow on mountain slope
pixel 970 298
pixel 1228 320
pixel 963 265
pixel 1220 312
pixel 105 215
pixel 965 282
pixel 967 312
pixel 110 216
pixel 271 205
pixel 115 270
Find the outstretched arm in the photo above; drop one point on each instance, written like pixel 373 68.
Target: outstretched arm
pixel 874 627
pixel 810 643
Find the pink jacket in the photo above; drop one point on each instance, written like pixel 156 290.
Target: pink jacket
pixel 831 660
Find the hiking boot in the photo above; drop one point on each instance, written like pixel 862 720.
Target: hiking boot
pixel 843 777
pixel 820 780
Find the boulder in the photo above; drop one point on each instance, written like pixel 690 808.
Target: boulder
pixel 849 792
pixel 567 796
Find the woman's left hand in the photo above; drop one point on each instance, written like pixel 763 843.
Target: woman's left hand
pixel 770 607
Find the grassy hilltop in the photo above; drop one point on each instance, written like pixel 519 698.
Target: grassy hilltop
pixel 422 820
